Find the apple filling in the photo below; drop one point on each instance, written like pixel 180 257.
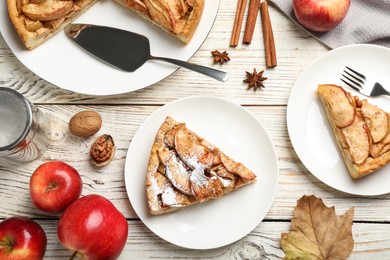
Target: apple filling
pixel 179 18
pixel 362 130
pixel 170 14
pixel 185 169
pixel 37 20
pixel 42 16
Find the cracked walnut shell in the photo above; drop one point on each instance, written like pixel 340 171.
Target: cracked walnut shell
pixel 102 150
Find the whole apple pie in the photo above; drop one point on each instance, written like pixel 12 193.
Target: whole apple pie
pixel 38 20
pixel 185 169
pixel 362 130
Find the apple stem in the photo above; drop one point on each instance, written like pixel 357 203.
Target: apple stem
pixel 51 187
pixel 6 244
pixel 73 255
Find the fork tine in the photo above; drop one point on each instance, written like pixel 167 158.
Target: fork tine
pixel 357 73
pixel 350 85
pixel 352 80
pixel 355 78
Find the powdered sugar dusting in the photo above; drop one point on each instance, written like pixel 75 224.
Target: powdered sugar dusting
pixel 153 183
pixel 168 197
pixel 178 174
pixel 198 178
pixel 193 161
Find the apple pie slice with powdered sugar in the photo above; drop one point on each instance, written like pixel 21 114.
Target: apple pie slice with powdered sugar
pixel 185 169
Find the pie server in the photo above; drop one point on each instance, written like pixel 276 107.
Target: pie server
pixel 125 50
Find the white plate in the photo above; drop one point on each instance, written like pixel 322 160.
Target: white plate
pixel 308 127
pixel 218 222
pixel 60 62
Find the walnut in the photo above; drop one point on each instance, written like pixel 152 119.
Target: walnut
pixel 102 150
pixel 85 123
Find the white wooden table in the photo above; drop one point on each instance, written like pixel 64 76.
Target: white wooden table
pixel 123 114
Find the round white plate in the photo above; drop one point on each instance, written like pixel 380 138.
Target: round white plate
pixel 62 63
pixel 217 222
pixel 309 129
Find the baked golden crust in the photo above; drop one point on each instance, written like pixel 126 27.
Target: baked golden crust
pixel 180 18
pixel 362 130
pixel 184 169
pixel 36 21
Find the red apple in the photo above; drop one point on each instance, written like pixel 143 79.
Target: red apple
pixel 93 228
pixel 21 238
pixel 54 186
pixel 320 15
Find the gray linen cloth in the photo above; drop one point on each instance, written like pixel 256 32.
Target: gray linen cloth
pixel 367 21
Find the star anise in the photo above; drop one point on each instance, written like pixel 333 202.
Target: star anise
pixel 220 57
pixel 255 80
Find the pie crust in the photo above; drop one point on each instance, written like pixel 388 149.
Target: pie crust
pixel 38 20
pixel 362 130
pixel 180 18
pixel 185 169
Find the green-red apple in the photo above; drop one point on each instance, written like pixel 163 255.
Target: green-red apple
pixel 21 238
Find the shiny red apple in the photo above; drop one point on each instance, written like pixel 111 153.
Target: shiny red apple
pixel 320 15
pixel 21 238
pixel 93 228
pixel 54 186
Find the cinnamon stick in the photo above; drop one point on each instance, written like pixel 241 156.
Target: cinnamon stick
pixel 268 35
pixel 251 21
pixel 241 5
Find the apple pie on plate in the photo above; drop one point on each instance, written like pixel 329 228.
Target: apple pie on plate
pixel 38 20
pixel 180 18
pixel 95 79
pixel 362 130
pixel 309 129
pixel 212 223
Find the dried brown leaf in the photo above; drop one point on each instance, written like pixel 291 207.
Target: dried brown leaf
pixel 317 232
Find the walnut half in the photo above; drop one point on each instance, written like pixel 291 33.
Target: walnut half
pixel 102 150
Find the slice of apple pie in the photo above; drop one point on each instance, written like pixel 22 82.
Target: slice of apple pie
pixel 36 21
pixel 185 169
pixel 180 18
pixel 362 130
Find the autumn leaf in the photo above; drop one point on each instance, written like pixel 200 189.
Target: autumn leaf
pixel 317 232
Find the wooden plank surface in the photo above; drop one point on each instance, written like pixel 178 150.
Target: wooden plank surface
pixel 122 122
pixel 372 241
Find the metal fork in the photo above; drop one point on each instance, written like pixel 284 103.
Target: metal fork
pixel 362 83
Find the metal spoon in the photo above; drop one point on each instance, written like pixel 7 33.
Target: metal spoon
pixel 125 50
